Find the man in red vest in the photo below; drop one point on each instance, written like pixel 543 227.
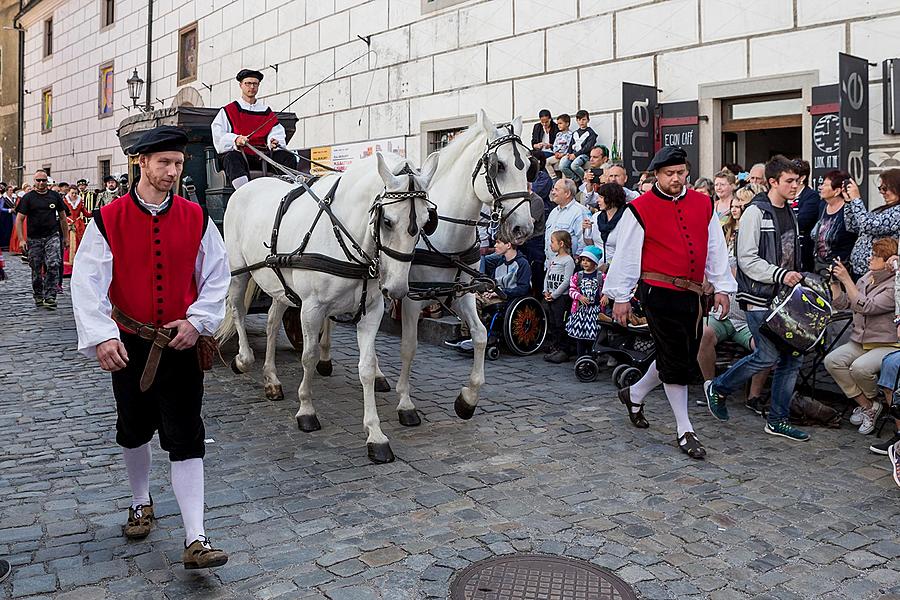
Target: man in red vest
pixel 149 279
pixel 670 240
pixel 248 121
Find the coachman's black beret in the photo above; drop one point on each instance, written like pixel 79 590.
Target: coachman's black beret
pixel 668 156
pixel 164 138
pixel 245 73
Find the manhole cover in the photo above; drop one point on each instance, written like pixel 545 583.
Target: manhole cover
pixel 534 577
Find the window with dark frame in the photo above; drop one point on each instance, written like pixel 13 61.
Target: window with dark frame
pixel 438 139
pixel 103 168
pixel 108 13
pixel 48 37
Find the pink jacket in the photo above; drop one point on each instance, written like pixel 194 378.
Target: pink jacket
pixel 575 291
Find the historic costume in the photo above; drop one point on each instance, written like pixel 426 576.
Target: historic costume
pixel 145 270
pixel 76 219
pixel 255 121
pixel 89 197
pixel 107 195
pixel 666 246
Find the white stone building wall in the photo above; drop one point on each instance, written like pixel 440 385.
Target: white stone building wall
pixel 509 57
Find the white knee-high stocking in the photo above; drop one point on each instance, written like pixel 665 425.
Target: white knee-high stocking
pixel 187 483
pixel 678 399
pixel 645 385
pixel 137 463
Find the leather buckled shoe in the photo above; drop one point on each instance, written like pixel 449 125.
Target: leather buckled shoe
pixel 637 418
pixel 140 522
pixel 690 445
pixel 201 555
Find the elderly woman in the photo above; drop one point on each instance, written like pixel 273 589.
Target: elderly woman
pixel 829 236
pixel 603 223
pixel 855 365
pixel 880 222
pixel 724 183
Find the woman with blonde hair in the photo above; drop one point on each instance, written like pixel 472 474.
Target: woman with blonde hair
pixel 724 184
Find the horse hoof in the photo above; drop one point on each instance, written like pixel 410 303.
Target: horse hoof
pixel 324 368
pixel 308 423
pixel 234 366
pixel 409 417
pixel 463 410
pixel 382 385
pixel 380 453
pixel 274 392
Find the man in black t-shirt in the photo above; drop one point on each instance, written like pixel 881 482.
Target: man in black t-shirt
pixel 46 214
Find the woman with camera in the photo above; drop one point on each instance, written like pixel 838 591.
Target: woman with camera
pixel 856 364
pixel 829 236
pixel 870 225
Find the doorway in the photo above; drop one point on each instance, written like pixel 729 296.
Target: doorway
pixel 755 128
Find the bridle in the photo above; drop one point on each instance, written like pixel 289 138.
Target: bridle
pixel 386 198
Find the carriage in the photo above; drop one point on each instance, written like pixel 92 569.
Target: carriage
pixel 204 173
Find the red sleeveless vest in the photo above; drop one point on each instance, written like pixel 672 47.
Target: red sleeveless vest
pixel 153 257
pixel 243 122
pixel 676 235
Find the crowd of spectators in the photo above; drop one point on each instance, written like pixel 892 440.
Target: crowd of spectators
pixel 584 191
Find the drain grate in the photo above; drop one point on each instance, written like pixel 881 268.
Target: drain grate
pixel 536 577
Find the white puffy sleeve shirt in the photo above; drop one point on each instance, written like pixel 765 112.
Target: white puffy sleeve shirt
pixel 92 275
pixel 223 136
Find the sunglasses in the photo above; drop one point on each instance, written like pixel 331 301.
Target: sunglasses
pixel 883 188
pixel 39 180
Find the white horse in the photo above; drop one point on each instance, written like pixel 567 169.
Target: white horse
pixel 482 174
pixel 380 207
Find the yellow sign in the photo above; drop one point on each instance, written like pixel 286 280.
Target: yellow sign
pixel 322 155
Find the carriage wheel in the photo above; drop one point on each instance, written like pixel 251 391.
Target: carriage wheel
pixel 586 369
pixel 524 326
pixel 293 328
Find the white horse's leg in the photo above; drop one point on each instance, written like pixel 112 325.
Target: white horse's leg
pixel 377 445
pixel 324 366
pixel 311 319
pixel 273 327
pixel 236 290
pixel 406 410
pixel 468 396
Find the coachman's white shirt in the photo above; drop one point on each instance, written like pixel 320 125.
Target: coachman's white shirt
pixel 223 137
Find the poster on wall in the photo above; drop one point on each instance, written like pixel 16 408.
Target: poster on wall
pixel 105 107
pixel 638 113
pixel 853 77
pixel 826 132
pixel 679 125
pixel 341 156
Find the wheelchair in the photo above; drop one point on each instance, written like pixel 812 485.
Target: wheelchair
pixel 520 325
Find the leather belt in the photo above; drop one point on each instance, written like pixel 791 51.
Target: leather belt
pixel 679 282
pixel 159 336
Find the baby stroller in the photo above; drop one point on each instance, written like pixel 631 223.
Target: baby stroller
pixel 631 346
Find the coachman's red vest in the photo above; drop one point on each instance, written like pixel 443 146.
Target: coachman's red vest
pixel 676 235
pixel 245 122
pixel 153 257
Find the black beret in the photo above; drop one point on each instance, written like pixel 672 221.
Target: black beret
pixel 164 138
pixel 81 181
pixel 245 73
pixel 109 178
pixel 668 156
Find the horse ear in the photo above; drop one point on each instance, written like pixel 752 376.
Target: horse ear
pixel 429 168
pixel 390 180
pixel 517 125
pixel 485 123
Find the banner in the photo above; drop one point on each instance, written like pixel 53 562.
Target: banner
pixel 341 156
pixel 679 125
pixel 826 132
pixel 638 111
pixel 854 119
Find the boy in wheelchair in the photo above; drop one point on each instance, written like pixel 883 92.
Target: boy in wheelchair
pixel 512 273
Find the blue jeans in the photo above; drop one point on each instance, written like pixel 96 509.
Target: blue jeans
pixel 889 367
pixel 766 355
pixel 573 169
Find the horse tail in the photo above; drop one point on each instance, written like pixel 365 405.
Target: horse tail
pixel 228 328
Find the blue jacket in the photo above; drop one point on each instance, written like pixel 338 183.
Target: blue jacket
pixel 513 277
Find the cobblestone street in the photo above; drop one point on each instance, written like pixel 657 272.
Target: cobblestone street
pixel 546 465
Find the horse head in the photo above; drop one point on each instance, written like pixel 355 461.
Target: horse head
pixel 500 180
pixel 399 215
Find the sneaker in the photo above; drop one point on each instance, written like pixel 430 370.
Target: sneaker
pixel 140 521
pixel 50 303
pixel 882 447
pixel 467 345
pixel 201 555
pixel 870 417
pixel 5 570
pixel 758 404
pixel 715 402
pixel 557 357
pixel 786 430
pixel 856 417
pixel 39 302
pixel 456 342
pixel 894 456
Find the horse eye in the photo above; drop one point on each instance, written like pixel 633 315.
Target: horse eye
pixel 500 167
pixel 387 222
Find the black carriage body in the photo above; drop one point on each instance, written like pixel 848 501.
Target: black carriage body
pixel 201 162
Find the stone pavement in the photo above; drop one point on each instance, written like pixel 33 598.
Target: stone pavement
pixel 546 465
